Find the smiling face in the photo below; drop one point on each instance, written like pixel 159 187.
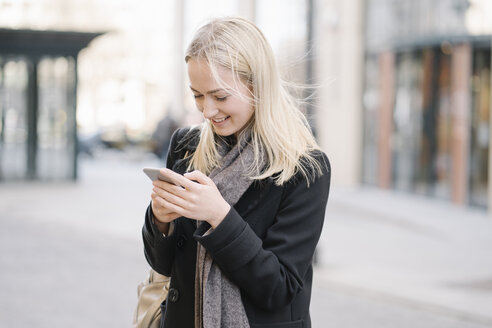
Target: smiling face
pixel 228 109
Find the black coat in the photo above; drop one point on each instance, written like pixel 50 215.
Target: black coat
pixel 265 245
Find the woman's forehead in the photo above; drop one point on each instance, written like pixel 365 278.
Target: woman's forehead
pixel 203 75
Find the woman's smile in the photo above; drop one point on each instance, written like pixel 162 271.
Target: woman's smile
pixel 217 121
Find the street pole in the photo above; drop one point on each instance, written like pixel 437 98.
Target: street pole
pixel 489 188
pixel 309 64
pixel 177 110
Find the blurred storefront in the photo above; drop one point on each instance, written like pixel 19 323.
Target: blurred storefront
pixel 38 84
pixel 426 98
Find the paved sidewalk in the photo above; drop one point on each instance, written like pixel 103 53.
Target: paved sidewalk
pixel 408 249
pixel 71 255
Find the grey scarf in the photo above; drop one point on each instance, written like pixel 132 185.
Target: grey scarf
pixel 218 301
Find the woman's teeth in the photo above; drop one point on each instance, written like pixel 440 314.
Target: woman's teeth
pixel 221 119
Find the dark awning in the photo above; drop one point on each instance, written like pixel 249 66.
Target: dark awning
pixel 33 42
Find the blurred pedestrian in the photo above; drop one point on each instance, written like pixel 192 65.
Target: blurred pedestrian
pixel 238 229
pixel 162 135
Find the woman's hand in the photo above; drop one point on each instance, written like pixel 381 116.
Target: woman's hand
pixel 194 196
pixel 162 215
pixel 161 212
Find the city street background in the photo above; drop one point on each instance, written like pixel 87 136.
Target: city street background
pixel 71 254
pixel 401 103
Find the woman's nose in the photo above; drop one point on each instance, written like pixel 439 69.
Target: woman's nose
pixel 209 109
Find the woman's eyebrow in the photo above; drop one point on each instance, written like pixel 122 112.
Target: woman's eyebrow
pixel 208 92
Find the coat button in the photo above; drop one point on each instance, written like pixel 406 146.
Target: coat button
pixel 181 241
pixel 173 295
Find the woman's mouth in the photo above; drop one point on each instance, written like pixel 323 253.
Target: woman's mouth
pixel 220 120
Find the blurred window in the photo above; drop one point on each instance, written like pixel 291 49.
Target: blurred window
pixel 407 120
pixel 480 127
pixel 37 142
pixel 421 136
pixel 55 126
pixel 371 101
pixel 433 170
pixel 13 118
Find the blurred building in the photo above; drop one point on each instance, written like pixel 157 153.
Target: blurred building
pixel 414 76
pixel 427 98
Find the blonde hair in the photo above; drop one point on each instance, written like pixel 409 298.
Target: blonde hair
pixel 279 130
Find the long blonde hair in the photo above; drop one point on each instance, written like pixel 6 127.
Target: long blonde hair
pixel 279 130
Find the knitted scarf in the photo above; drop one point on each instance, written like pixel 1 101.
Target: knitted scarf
pixel 218 301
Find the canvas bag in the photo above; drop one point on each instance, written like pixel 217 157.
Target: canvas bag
pixel 151 293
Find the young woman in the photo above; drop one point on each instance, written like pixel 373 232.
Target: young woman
pixel 237 229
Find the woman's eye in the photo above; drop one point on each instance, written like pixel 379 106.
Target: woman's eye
pixel 221 98
pixel 197 96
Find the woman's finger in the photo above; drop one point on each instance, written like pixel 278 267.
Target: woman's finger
pixel 157 205
pixel 170 197
pixel 172 207
pixel 172 188
pixel 178 179
pixel 161 213
pixel 160 205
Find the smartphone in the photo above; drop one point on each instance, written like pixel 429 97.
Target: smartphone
pixel 155 174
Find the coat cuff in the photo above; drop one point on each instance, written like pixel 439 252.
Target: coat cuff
pixel 152 233
pixel 232 243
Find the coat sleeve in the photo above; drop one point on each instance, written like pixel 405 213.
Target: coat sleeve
pixel 159 250
pixel 270 270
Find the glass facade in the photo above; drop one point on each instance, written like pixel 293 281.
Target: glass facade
pixel 437 118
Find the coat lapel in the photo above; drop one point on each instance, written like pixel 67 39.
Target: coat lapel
pixel 251 199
